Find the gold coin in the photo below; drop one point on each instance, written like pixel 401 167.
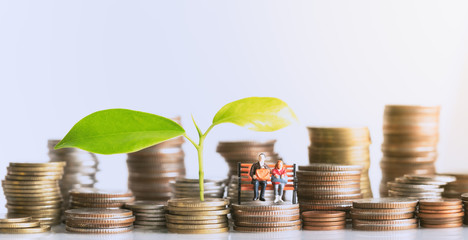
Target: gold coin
pixel 40 229
pixel 201 213
pixel 97 213
pixel 32 178
pixel 193 226
pixel 38 207
pixel 48 164
pixel 171 217
pixel 194 202
pixel 14 218
pixel 19 224
pixel 33 183
pixel 183 209
pixel 99 230
pixel 199 222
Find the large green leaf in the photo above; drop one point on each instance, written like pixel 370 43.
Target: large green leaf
pixel 120 131
pixel 264 114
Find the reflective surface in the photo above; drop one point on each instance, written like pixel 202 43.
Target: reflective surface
pixel 59 232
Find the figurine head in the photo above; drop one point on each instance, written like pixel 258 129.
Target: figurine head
pixel 279 164
pixel 261 158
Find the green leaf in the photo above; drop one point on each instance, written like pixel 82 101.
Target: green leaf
pixel 120 131
pixel 264 114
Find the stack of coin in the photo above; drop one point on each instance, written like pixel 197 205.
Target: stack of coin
pixel 151 170
pixel 190 215
pixel 246 152
pixel 384 214
pixel 419 186
pixel 411 134
pixel 328 186
pixel 149 215
pixel 456 188
pixel 343 146
pixel 464 198
pixel 15 223
pixel 247 196
pixel 32 189
pixel 324 220
pixel 99 221
pixel 266 217
pixel 189 188
pixel 98 198
pixel 80 170
pixel 441 213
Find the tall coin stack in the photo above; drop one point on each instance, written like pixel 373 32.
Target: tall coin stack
pixel 151 170
pixel 384 214
pixel 456 188
pixel 328 186
pixel 189 188
pixel 80 169
pixel 32 189
pixel 343 146
pixel 149 215
pixel 190 215
pixel 266 218
pixel 97 198
pixel 411 134
pixel 246 152
pixel 419 186
pixel 99 221
pixel 441 213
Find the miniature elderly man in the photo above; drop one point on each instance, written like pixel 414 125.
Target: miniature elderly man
pixel 260 174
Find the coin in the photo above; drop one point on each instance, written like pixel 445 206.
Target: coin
pixel 323 214
pixel 145 205
pixel 99 230
pixel 193 202
pixel 272 229
pixel 199 231
pixel 98 213
pixel 385 203
pixel 40 229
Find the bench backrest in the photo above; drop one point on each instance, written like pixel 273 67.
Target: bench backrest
pixel 244 170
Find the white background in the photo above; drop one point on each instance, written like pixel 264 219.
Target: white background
pixel 334 62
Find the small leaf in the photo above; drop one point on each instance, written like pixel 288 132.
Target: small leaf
pixel 120 131
pixel 264 114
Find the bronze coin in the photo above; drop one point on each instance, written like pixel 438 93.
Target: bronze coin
pixel 323 214
pixel 99 230
pixel 446 225
pixel 385 203
pixel 272 229
pixel 389 216
pixel 441 215
pixel 323 228
pixel 322 219
pixel 439 211
pixel 440 202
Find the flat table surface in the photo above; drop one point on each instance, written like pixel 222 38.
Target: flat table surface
pixel 58 232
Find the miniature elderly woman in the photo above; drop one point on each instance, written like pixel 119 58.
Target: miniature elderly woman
pixel 279 179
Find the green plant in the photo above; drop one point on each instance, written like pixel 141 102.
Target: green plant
pixel 122 131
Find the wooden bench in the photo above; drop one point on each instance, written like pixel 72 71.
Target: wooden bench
pixel 245 181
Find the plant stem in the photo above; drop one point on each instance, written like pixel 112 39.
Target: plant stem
pixel 199 147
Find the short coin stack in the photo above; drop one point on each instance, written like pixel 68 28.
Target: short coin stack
pixel 266 218
pixel 324 220
pixel 151 170
pixel 384 214
pixel 97 198
pixel 189 188
pixel 14 223
pixel 149 215
pixel 456 188
pixel 328 186
pixel 99 221
pixel 190 215
pixel 32 189
pixel 464 198
pixel 343 146
pixel 80 169
pixel 246 152
pixel 419 186
pixel 411 134
pixel 441 213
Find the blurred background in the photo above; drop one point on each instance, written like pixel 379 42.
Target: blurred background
pixel 336 63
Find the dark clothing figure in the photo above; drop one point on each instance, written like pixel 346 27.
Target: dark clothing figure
pixel 258 183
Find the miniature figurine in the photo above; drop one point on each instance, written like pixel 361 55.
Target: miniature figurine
pixel 279 179
pixel 260 174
